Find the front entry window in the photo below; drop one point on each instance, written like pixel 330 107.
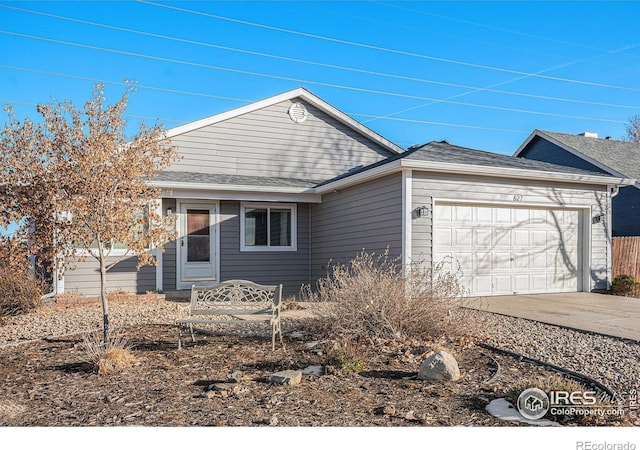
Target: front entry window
pixel 198 230
pixel 268 227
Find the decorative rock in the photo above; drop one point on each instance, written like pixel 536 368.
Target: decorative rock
pixel 236 376
pixel 312 370
pixel 504 410
pixel 220 390
pixel 290 377
pixel 389 410
pixel 439 366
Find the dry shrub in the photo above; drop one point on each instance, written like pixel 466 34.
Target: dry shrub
pixel 626 286
pixel 112 357
pixel 371 298
pixel 20 291
pixel 345 357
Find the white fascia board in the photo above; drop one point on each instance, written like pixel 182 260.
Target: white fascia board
pixel 296 93
pixel 242 193
pixel 504 172
pixel 230 187
pixel 360 177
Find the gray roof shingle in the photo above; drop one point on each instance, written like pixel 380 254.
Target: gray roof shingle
pixel 445 152
pixel 620 156
pixel 242 180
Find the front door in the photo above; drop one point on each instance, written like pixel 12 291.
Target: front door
pixel 197 245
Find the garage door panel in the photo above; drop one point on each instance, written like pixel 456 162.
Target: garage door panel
pixel 463 214
pixel 521 261
pixel 501 261
pixel 484 215
pixel 522 283
pixel 521 238
pixel 502 238
pixel 483 237
pixel 502 284
pixel 482 285
pixel 505 250
pixel 463 237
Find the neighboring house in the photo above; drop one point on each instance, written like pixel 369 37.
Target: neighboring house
pixel 275 190
pixel 587 151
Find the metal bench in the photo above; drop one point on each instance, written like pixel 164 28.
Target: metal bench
pixel 245 301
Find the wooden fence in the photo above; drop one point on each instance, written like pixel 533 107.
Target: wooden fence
pixel 626 256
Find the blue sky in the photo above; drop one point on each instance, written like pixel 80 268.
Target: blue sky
pixel 479 74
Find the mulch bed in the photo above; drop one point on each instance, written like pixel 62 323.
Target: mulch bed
pixel 49 383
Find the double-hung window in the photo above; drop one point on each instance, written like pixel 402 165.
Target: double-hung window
pixel 267 227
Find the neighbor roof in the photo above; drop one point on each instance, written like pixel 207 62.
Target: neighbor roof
pixel 616 157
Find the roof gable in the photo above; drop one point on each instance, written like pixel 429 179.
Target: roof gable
pixel 300 93
pixel 618 158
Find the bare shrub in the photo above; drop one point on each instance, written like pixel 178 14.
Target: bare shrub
pixel 20 291
pixel 108 358
pixel 371 298
pixel 345 357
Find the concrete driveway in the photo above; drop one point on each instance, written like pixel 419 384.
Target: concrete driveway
pixel 604 314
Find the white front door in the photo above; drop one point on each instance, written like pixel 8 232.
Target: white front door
pixel 197 244
pixel 507 250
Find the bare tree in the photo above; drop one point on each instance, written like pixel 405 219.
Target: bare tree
pixel 75 185
pixel 633 130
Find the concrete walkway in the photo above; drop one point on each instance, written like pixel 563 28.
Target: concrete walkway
pixel 604 314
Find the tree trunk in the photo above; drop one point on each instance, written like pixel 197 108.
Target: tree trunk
pixel 103 296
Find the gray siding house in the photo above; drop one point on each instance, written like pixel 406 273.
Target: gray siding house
pixel 275 190
pixel 607 156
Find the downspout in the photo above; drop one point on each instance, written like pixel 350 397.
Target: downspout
pixel 613 191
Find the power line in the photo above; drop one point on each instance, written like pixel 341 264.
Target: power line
pixel 135 116
pixel 123 83
pixel 389 50
pixel 338 67
pixel 298 80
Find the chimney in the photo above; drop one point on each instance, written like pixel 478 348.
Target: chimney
pixel 589 134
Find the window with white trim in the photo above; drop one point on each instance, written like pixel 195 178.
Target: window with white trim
pixel 268 227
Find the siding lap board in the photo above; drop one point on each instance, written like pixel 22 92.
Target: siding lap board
pixel 267 143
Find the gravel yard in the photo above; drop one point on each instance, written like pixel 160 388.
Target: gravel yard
pixel 54 363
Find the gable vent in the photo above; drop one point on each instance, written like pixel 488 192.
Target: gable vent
pixel 298 112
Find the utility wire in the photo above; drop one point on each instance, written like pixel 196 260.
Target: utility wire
pixel 390 50
pixel 333 66
pixel 298 80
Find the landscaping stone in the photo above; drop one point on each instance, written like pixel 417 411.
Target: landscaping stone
pixel 236 376
pixel 504 410
pixel 290 377
pixel 312 370
pixel 439 366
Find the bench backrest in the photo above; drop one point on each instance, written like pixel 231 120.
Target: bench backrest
pixel 234 297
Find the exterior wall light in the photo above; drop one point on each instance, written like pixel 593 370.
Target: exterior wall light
pixel 169 211
pixel 422 211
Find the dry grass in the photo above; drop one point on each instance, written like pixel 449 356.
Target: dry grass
pixel 370 298
pixel 10 409
pixel 108 358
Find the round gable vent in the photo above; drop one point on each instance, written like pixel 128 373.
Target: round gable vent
pixel 298 112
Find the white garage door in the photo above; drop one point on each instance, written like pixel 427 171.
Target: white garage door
pixel 502 250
